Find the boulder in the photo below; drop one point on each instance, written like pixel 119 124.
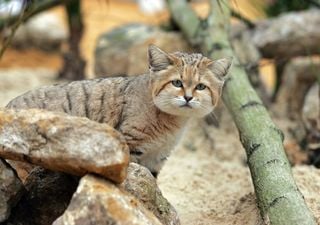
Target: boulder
pixel 63 143
pixel 123 51
pixel 11 189
pixel 298 77
pixel 47 197
pixel 311 116
pixel 45 31
pixel 288 35
pixel 98 201
pixel 141 184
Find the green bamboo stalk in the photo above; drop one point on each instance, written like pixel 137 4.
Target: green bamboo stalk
pixel 278 197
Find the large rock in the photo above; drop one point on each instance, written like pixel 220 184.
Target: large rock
pixel 63 143
pixel 141 184
pixel 123 51
pixel 45 31
pixel 97 201
pixel 298 76
pixel 11 189
pixel 47 197
pixel 289 35
pixel 311 116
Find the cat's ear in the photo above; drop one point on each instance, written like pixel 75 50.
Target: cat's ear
pixel 220 67
pixel 158 59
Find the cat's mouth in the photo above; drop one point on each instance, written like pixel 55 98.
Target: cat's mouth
pixel 187 105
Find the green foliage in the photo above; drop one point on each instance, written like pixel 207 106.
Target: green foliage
pixel 282 6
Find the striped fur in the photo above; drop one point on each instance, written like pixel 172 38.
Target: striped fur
pixel 146 109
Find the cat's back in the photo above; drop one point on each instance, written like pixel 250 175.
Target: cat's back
pixel 86 98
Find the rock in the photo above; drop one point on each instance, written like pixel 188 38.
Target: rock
pixel 289 35
pixel 45 31
pixel 47 197
pixel 141 184
pixel 11 189
pixel 123 50
pixel 63 143
pixel 311 117
pixel 295 154
pixel 298 76
pixel 23 169
pixel 97 201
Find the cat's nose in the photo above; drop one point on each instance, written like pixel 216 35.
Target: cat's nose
pixel 188 98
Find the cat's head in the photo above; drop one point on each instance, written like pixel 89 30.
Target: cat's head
pixel 186 84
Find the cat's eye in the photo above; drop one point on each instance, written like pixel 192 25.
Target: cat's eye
pixel 177 83
pixel 201 86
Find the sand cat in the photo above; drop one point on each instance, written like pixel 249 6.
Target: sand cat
pixel 150 110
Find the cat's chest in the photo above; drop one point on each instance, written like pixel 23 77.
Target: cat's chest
pixel 156 151
pixel 162 143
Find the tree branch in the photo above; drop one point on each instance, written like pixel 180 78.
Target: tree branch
pixel 248 22
pixel 278 197
pixel 183 19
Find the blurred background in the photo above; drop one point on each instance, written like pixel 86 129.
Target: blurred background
pixel 42 41
pixel 278 42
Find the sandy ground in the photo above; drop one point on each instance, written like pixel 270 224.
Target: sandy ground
pixel 206 178
pixel 210 183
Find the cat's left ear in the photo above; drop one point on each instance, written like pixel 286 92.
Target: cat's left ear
pixel 220 67
pixel 158 59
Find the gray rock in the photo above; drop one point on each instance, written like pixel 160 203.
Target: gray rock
pixel 123 50
pixel 45 31
pixel 63 143
pixel 297 78
pixel 98 201
pixel 11 189
pixel 289 35
pixel 311 117
pixel 141 184
pixel 47 197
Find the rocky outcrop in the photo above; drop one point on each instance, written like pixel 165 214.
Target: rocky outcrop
pixel 11 189
pixel 76 146
pixel 63 143
pixel 101 202
pixel 141 184
pixel 48 195
pixel 123 50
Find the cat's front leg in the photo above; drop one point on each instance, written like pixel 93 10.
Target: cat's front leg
pixel 153 164
pixel 135 155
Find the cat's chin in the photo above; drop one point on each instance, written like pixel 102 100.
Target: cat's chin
pixel 185 112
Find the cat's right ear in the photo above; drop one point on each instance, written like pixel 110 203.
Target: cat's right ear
pixel 221 67
pixel 158 59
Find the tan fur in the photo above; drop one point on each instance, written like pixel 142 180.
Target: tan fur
pixel 148 109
